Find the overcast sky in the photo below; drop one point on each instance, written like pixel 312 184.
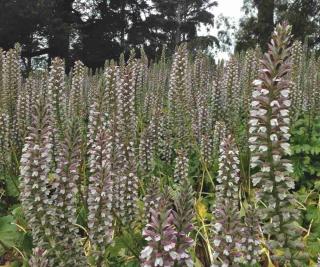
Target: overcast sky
pixel 230 8
pixel 227 8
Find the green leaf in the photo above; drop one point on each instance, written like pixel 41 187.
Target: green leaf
pixel 12 186
pixel 9 235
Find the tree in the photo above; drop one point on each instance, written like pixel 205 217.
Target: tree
pixel 303 15
pixel 176 21
pixel 19 22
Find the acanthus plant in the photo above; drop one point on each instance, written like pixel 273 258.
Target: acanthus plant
pixel 269 145
pixel 39 258
pixel 49 195
pixel 34 170
pixel 231 96
pixel 146 148
pixel 100 197
pixel 152 198
pixel 183 215
pixel 179 96
pixel 66 187
pixel 77 90
pixel 181 166
pixel 127 180
pixel 228 228
pixel 161 237
pixel 170 225
pixel 296 78
pixel 56 91
pixel 251 245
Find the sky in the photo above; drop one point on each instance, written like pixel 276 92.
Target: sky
pixel 227 8
pixel 230 8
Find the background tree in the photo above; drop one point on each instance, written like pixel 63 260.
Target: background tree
pixel 95 30
pixel 176 21
pixel 261 15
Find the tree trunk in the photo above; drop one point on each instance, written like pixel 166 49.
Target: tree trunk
pixel 266 10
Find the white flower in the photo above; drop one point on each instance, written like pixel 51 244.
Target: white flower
pixel 254 103
pixel 218 226
pixel 262 129
pixel 286 136
pixel 253 164
pixel 216 242
pixel 228 238
pixel 189 263
pixel 284 112
pixel 169 246
pixel 158 262
pixel 174 255
pixel 257 82
pixel 252 139
pixel 274 103
pixel 273 137
pixel 255 158
pixel 286 120
pixel 256 180
pixel 263 148
pixel 287 103
pixel 284 129
pixel 274 122
pixel 288 166
pixel 279 177
pixel 262 112
pixel 285 92
pixel 286 147
pixel 252 129
pixel 256 93
pixel 290 184
pixel 282 196
pixel 253 122
pixel 226 252
pixel 265 91
pixel 265 169
pixel 146 252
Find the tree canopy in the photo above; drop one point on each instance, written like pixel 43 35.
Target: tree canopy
pixel 96 30
pixel 261 16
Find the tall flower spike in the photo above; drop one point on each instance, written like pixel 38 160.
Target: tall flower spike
pixel 34 171
pixel 182 166
pixel 76 93
pixel 251 245
pixel 228 227
pixel 179 95
pixel 296 88
pixel 269 144
pixel 12 79
pixel 231 92
pixel 4 139
pixel 39 258
pixel 161 236
pixel 218 135
pixel 183 215
pixel 127 180
pixel 100 217
pixel 152 197
pixel 65 189
pixel 146 149
pixel 56 91
pixel 2 92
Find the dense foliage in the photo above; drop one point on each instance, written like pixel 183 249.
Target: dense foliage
pixel 180 162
